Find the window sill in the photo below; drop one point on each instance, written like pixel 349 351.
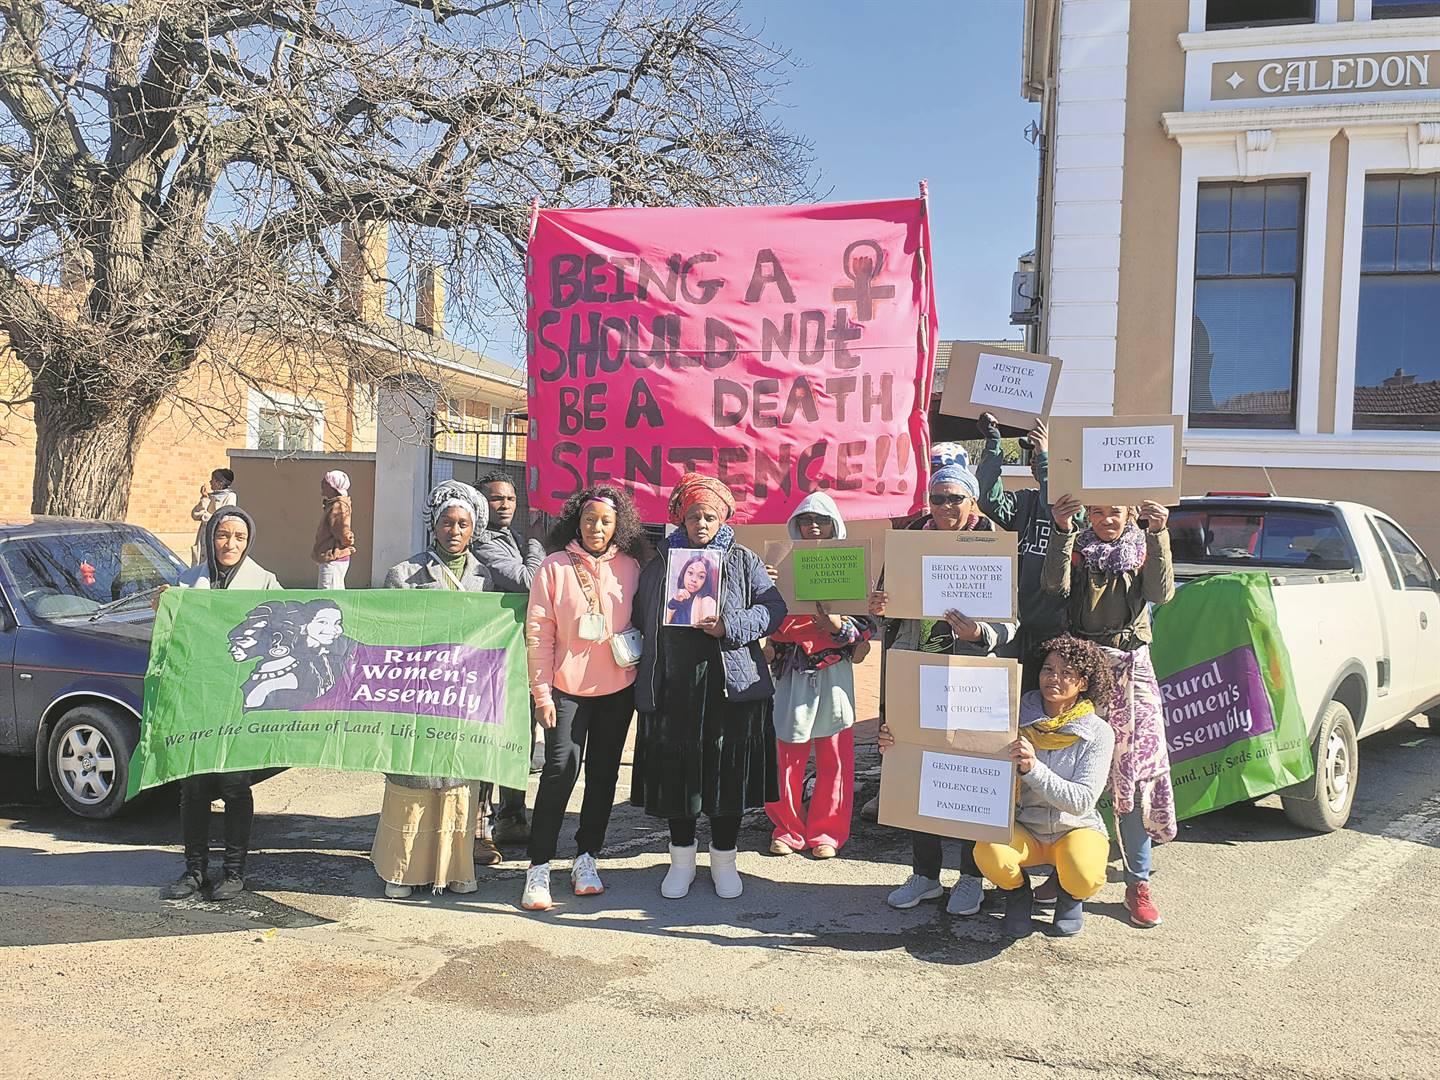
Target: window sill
pixel 1394 451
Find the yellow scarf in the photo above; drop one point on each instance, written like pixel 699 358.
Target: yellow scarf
pixel 1046 734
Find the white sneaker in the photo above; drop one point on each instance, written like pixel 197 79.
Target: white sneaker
pixel 398 892
pixel 585 878
pixel 915 890
pixel 967 897
pixel 536 896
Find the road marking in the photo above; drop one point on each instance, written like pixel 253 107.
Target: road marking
pixel 1289 930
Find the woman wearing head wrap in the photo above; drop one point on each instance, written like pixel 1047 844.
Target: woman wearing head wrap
pixel 706 741
pixel 581 598
pixel 225 564
pixel 1110 572
pixel 953 508
pixel 812 658
pixel 423 837
pixel 334 538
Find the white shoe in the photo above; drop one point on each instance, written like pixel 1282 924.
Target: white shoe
pixel 536 896
pixel 916 890
pixel 398 892
pixel 463 887
pixel 585 878
pixel 723 874
pixel 681 873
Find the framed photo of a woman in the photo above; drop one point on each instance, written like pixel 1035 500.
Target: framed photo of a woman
pixel 694 586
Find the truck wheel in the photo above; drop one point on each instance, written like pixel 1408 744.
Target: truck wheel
pixel 1337 770
pixel 89 756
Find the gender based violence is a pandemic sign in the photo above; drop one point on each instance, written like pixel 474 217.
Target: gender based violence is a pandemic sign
pixel 783 349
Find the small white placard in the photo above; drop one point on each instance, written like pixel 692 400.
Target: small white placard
pixel 1008 382
pixel 1128 457
pixel 975 586
pixel 958 787
pixel 964 698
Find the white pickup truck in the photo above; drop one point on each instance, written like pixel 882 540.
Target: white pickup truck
pixel 1358 605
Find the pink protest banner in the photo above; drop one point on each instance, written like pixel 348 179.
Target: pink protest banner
pixel 785 349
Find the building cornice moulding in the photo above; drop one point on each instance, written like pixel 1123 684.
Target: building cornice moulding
pixel 1323 120
pixel 1359 33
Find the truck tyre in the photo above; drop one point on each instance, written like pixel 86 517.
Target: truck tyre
pixel 89 756
pixel 1337 770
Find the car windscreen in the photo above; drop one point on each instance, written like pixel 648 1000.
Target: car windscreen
pixel 71 574
pixel 1235 537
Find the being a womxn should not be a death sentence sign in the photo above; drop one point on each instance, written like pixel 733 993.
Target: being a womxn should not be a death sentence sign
pixel 412 681
pixel 784 349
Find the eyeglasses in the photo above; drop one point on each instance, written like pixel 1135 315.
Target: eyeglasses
pixel 949 500
pixel 814 521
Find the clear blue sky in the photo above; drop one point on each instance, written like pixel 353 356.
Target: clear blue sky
pixel 892 92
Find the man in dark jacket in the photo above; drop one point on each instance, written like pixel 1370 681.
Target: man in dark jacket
pixel 1026 513
pixel 511 560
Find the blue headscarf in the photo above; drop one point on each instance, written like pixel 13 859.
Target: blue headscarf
pixel 956 474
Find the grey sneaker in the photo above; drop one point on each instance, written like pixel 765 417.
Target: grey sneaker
pixel 966 897
pixel 915 890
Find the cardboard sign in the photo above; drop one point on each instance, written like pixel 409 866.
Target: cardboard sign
pixel 1017 387
pixel 784 349
pixel 928 572
pixel 948 773
pixel 837 573
pixel 1116 460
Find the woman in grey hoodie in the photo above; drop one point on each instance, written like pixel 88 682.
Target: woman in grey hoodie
pixel 1063 760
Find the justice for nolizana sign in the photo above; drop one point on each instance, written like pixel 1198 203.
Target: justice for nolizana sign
pixel 421 682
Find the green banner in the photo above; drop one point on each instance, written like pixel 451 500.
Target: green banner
pixel 415 681
pixel 829 573
pixel 1232 718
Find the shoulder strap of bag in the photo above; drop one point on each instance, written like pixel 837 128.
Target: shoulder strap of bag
pixel 582 575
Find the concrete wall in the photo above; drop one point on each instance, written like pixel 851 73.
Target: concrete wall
pixel 282 494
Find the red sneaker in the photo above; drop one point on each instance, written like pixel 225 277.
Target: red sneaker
pixel 1143 911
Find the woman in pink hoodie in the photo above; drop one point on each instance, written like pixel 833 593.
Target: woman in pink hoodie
pixel 581 598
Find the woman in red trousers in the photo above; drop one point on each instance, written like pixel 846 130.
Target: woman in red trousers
pixel 812 658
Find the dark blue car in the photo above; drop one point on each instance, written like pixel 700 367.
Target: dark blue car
pixel 74 645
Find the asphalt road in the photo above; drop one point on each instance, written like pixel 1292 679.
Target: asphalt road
pixel 1282 955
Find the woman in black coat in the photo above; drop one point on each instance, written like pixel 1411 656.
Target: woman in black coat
pixel 706 736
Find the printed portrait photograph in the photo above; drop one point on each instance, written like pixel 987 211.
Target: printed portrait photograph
pixel 694 587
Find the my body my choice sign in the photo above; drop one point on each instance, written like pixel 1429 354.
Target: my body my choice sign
pixel 413 681
pixel 784 349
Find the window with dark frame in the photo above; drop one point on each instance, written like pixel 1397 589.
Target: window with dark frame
pixel 1397 359
pixel 1244 345
pixel 1404 9
pixel 1230 14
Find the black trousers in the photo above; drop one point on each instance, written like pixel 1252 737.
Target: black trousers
pixel 724 832
pixel 592 729
pixel 927 855
pixel 196 794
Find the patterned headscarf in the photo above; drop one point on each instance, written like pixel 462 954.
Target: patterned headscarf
pixel 339 482
pixel 956 474
pixel 450 493
pixel 698 488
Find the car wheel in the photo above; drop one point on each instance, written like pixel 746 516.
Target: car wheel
pixel 1337 770
pixel 89 755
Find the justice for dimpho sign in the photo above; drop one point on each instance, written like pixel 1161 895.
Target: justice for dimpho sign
pixel 1128 457
pixel 1105 460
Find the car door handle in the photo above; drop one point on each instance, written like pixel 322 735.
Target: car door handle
pixel 1424 622
pixel 27 675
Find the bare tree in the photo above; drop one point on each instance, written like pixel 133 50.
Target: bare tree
pixel 176 174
